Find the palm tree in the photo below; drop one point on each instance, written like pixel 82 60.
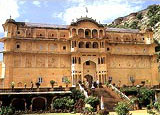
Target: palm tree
pixel 52 82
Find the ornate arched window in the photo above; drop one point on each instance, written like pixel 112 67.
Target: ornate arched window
pixel 73 32
pixel 95 45
pixel 88 44
pixel 88 33
pixel 81 33
pixel 81 44
pixel 94 33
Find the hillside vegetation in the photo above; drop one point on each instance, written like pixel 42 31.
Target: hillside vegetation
pixel 147 18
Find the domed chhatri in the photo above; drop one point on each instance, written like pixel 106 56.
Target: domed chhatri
pixel 86 19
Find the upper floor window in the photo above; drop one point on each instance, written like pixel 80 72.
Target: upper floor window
pixel 40 80
pixel 64 47
pixel 17 45
pixel 88 33
pixel 18 32
pixel 41 47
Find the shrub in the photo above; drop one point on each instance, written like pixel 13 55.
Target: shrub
pixel 6 111
pixel 134 25
pixel 93 101
pixel 139 16
pixel 145 95
pixel 154 20
pixel 157 106
pixel 122 108
pixel 153 10
pixel 63 103
pixel 76 95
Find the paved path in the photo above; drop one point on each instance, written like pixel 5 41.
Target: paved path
pixel 137 112
pixel 55 114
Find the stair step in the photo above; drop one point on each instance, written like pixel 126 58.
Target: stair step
pixel 110 98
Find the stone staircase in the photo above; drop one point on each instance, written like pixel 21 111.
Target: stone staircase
pixel 110 97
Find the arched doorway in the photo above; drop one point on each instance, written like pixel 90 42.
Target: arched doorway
pixel 18 104
pixel 38 103
pixel 89 72
pixel 89 79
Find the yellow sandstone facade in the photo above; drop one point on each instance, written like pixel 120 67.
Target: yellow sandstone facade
pixel 84 50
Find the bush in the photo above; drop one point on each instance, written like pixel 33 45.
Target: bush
pixel 93 101
pixel 153 10
pixel 134 25
pixel 157 106
pixel 129 90
pixel 76 95
pixel 6 111
pixel 139 16
pixel 63 103
pixel 145 95
pixel 122 108
pixel 154 20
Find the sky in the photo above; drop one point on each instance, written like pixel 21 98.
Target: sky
pixel 63 12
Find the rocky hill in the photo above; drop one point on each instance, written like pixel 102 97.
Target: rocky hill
pixel 148 18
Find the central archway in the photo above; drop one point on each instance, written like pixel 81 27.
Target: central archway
pixel 89 79
pixel 89 71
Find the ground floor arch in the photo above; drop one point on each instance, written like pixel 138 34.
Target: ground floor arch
pixel 18 104
pixel 39 103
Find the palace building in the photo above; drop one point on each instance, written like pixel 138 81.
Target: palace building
pixel 83 50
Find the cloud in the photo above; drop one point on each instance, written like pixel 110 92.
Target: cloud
pixel 101 10
pixel 36 3
pixel 22 2
pixel 7 8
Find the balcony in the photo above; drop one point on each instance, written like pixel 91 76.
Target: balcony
pixel 91 50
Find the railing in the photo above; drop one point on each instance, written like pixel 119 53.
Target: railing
pixel 119 92
pixel 83 90
pixel 33 89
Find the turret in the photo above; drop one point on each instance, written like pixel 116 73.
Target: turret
pixel 10 28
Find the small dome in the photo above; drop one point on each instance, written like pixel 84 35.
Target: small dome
pixel 10 20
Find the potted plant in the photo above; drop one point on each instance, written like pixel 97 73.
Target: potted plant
pixel 38 84
pixel 25 85
pixel 52 82
pixel 12 85
pixel 67 82
pixel 132 81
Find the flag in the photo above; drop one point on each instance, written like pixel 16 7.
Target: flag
pixel 86 10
